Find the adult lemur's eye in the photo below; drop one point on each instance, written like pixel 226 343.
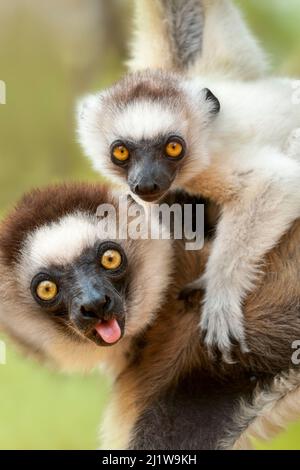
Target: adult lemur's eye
pixel 120 152
pixel 111 259
pixel 46 290
pixel 174 149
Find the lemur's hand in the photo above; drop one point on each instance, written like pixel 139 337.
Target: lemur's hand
pixel 221 318
pixel 222 323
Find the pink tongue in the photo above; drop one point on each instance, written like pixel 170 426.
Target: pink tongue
pixel 109 331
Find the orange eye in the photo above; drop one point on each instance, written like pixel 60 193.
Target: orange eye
pixel 120 153
pixel 111 259
pixel 47 290
pixel 174 149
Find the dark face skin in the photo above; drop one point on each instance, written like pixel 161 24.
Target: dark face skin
pixel 88 293
pixel 151 165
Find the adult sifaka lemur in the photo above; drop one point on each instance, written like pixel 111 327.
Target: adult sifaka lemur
pixel 80 300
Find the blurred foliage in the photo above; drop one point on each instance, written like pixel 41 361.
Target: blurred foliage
pixel 276 24
pixel 50 53
pixel 40 409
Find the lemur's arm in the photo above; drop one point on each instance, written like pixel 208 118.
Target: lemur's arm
pixel 199 37
pixel 249 227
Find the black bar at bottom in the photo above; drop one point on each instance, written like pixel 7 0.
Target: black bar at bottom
pixel 136 459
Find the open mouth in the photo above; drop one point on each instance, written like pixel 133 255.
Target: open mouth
pixel 107 332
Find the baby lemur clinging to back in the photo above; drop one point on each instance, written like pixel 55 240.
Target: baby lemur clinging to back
pixel 156 131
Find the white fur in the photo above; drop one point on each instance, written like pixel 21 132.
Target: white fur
pixel 147 120
pixel 229 48
pixel 90 121
pixel 269 413
pixel 248 228
pixel 100 125
pixel 59 242
pixel 293 147
pixel 247 144
pixel 63 241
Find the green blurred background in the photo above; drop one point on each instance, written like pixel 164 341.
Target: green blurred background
pixel 52 51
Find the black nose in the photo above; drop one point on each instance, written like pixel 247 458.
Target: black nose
pixel 146 188
pixel 95 308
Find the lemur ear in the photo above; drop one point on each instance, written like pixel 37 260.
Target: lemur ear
pixel 214 103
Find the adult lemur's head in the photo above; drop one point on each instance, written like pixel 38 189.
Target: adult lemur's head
pixel 149 131
pixel 65 288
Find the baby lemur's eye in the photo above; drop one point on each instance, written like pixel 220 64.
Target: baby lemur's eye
pixel 47 290
pixel 111 259
pixel 175 148
pixel 120 153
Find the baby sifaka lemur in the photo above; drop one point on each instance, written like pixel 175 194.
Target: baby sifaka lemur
pixel 157 131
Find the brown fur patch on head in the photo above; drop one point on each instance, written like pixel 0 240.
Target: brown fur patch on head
pixel 43 206
pixel 152 85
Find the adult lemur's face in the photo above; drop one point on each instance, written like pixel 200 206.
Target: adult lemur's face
pixel 83 291
pixel 148 131
pixel 64 284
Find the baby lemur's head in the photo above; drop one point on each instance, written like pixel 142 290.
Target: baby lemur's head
pixel 67 287
pixel 148 131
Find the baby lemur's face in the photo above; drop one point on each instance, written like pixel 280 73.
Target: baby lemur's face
pixel 64 286
pixel 148 131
